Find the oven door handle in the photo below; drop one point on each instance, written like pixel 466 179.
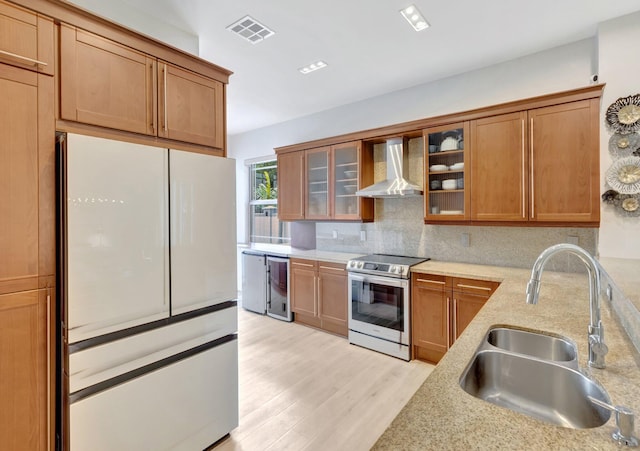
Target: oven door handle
pixel 386 281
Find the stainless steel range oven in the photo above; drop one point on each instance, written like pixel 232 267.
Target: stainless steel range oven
pixel 379 303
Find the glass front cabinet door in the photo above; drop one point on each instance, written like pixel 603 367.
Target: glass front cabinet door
pixel 446 188
pixel 346 171
pixel 318 183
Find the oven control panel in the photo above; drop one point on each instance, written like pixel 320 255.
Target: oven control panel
pixel 378 268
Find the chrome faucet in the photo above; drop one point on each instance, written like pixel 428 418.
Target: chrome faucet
pixel 597 348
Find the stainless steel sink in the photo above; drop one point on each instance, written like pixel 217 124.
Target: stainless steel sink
pixel 534 344
pixel 545 390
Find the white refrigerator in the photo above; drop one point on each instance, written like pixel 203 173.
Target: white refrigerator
pixel 148 323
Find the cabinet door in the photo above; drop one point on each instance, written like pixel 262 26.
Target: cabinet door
pixel 564 162
pixel 26 39
pixel 345 166
pixel 104 83
pixel 23 370
pixel 430 311
pixel 303 287
pixel 190 107
pixel 446 197
pixel 318 190
pixel 19 180
pixel 498 168
pixel 465 308
pixel 291 183
pixel 332 297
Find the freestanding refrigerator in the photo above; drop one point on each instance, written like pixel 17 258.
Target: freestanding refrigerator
pixel 147 353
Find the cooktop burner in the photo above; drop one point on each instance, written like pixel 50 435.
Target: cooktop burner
pixel 384 265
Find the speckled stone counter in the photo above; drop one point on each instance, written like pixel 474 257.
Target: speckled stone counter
pixel 313 254
pixel 442 416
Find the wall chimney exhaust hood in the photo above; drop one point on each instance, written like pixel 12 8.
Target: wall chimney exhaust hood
pixel 395 184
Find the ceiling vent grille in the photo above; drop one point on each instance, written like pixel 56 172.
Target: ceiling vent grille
pixel 251 30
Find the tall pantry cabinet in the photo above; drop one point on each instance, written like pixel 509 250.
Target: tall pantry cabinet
pixel 27 228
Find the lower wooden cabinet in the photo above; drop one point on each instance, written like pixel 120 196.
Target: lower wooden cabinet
pixel 319 294
pixel 441 308
pixel 24 370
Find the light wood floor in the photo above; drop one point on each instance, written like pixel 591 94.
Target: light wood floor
pixel 302 389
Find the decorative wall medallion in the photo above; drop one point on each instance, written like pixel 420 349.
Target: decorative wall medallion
pixel 624 145
pixel 624 175
pixel 630 204
pixel 623 116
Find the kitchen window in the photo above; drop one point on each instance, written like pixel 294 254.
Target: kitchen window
pixel 265 227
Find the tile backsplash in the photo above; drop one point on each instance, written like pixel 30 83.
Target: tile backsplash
pixel 399 229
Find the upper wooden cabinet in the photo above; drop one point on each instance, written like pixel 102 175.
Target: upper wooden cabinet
pixel 26 39
pixel 190 107
pixel 539 166
pixel 107 84
pixel 498 175
pixel 291 181
pixel 564 163
pixel 325 179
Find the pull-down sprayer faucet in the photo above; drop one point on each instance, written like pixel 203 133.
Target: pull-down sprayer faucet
pixel 597 348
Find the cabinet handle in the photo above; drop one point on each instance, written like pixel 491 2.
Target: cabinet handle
pixel 461 285
pixel 302 264
pixel 334 269
pixel 316 300
pixel 448 322
pixel 455 319
pixel 524 195
pixel 164 88
pixel 151 115
pixel 533 212
pixel 23 58
pixel 48 329
pixel 437 282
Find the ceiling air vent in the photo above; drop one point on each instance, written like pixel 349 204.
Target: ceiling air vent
pixel 250 29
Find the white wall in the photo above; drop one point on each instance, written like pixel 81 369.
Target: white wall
pixel 556 69
pixel 127 15
pixel 619 68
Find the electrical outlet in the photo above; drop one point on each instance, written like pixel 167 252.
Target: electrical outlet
pixel 573 239
pixel 465 240
pixel 334 234
pixel 363 235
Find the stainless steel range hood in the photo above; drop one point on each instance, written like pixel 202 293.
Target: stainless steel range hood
pixel 395 185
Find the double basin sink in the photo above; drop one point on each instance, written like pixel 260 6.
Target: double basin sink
pixel 536 374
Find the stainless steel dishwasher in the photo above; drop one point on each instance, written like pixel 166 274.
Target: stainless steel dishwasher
pixel 265 284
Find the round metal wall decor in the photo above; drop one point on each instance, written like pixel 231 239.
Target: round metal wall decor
pixel 624 145
pixel 623 115
pixel 624 175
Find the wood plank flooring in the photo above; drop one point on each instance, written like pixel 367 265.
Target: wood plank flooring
pixel 302 389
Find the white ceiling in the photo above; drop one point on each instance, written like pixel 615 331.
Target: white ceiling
pixel 370 48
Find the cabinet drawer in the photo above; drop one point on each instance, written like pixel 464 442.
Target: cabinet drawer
pixel 474 286
pixel 431 281
pixel 306 264
pixel 332 268
pixel 26 39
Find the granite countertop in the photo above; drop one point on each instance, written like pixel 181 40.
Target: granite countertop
pixel 313 254
pixel 442 416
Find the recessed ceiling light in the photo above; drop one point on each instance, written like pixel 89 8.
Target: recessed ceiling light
pixel 313 66
pixel 251 30
pixel 414 17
